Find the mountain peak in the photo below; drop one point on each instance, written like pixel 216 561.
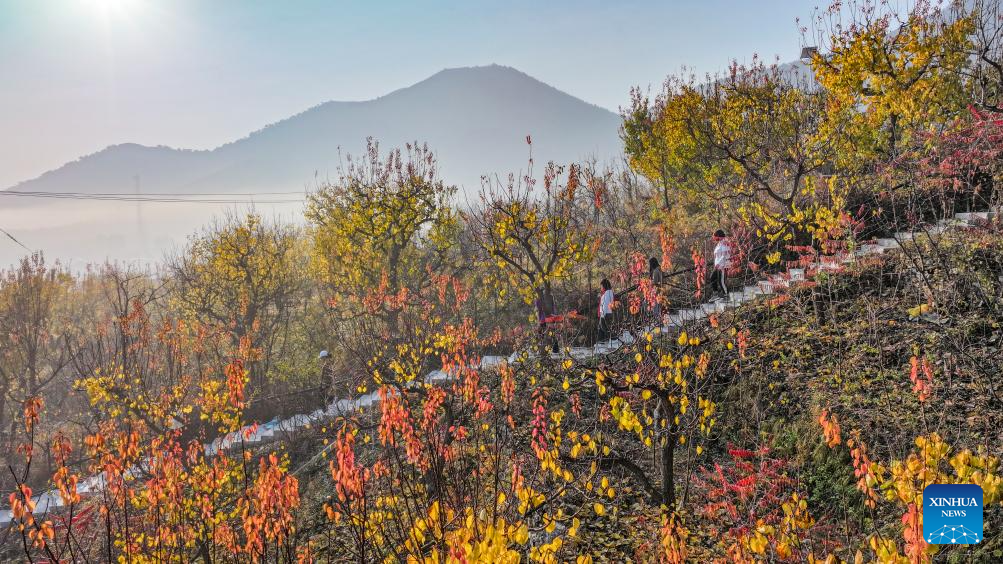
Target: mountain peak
pixel 498 84
pixel 488 80
pixel 493 69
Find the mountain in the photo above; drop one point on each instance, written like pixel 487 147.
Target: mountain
pixel 476 119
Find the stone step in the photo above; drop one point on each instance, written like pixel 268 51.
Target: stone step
pixel 91 484
pixel 261 433
pixel 865 250
pixel 489 362
pixel 830 262
pixel 436 376
pixel 686 315
pixel 673 320
pixel 606 347
pixel 752 291
pixel 713 307
pixel 778 281
pixel 973 217
pixel 696 314
pixel 737 298
pixel 46 501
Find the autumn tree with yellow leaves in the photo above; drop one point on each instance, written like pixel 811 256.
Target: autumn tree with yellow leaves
pixel 748 144
pixel 383 237
pixel 659 144
pixel 889 76
pixel 384 228
pixel 530 236
pixel 247 276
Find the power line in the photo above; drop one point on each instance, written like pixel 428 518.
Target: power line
pixel 11 237
pixel 221 194
pixel 191 198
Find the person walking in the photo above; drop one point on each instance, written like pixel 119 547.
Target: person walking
pixel 546 311
pixel 605 309
pixel 657 278
pixel 722 261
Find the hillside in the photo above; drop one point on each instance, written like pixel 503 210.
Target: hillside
pixel 773 337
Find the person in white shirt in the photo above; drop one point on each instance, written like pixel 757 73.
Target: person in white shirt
pixel 722 262
pixel 605 309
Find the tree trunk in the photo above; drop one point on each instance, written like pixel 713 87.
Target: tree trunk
pixel 668 454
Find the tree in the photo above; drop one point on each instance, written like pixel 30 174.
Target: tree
pixel 527 238
pixel 764 149
pixel 888 76
pixel 160 495
pixel 657 143
pixel 984 78
pixel 381 228
pixel 640 408
pixel 123 309
pixel 958 168
pixel 384 236
pixel 750 144
pixel 32 327
pixel 247 276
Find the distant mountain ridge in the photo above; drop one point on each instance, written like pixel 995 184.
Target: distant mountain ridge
pixel 475 118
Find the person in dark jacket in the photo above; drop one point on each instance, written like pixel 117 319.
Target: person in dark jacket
pixel 546 310
pixel 657 279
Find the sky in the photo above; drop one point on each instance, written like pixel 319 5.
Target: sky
pixel 79 75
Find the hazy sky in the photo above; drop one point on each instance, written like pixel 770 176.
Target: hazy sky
pixel 78 75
